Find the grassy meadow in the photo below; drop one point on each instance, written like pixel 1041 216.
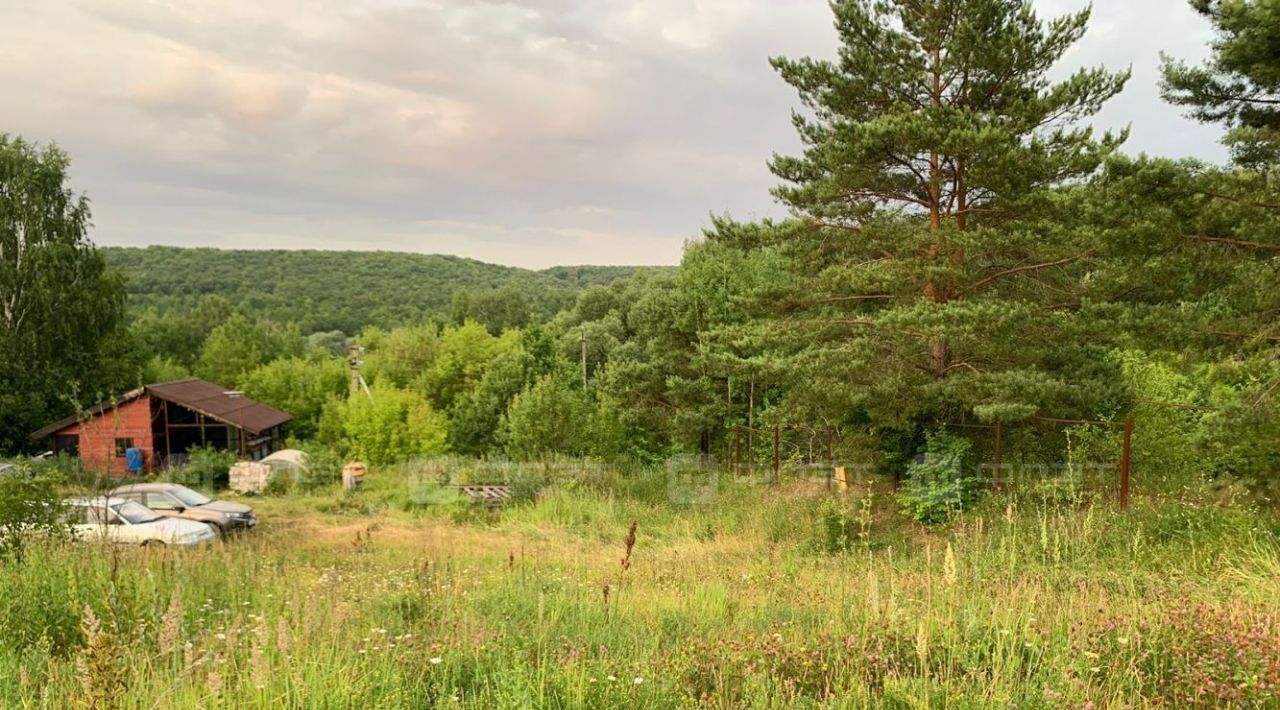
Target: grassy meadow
pixel 756 596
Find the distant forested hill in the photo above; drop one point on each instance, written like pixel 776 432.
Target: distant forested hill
pixel 328 290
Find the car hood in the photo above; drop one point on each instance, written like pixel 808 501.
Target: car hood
pixel 177 527
pixel 222 506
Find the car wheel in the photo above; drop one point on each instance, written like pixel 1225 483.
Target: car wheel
pixel 158 544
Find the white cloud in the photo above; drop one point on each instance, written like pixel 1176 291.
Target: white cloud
pixel 521 131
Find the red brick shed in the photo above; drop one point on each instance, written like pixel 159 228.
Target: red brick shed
pixel 165 421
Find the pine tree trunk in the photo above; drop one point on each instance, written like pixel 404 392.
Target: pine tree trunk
pixel 936 293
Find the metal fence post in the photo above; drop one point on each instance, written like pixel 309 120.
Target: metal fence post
pixel 1126 462
pixel 999 453
pixel 777 454
pixel 737 450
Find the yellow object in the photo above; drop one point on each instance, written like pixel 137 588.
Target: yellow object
pixel 353 475
pixel 842 480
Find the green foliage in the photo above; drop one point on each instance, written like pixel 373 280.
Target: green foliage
pixel 30 507
pixel 334 290
pixel 300 386
pixel 240 344
pixel 206 467
pixel 836 525
pixel 398 356
pixel 323 471
pixel 477 416
pixel 499 310
pixel 1240 83
pixel 335 342
pixel 390 426
pixel 463 354
pixel 550 417
pixel 61 307
pixel 163 369
pixel 923 279
pixel 943 482
pixel 179 334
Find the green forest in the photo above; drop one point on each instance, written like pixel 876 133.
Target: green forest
pixel 331 290
pixel 963 250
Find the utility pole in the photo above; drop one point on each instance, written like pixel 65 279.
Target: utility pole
pixel 582 340
pixel 358 383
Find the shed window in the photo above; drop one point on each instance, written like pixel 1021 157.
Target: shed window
pixel 123 445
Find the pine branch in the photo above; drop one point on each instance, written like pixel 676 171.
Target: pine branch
pixel 962 364
pixel 844 299
pixel 1240 201
pixel 1233 242
pixel 1032 267
pixel 856 228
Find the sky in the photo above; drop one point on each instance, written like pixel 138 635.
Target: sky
pixel 527 132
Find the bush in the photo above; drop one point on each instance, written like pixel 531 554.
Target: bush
pixel 30 505
pixel 324 468
pixel 69 470
pixel 389 426
pixel 836 526
pixel 206 467
pixel 942 482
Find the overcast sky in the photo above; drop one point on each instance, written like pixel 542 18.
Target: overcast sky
pixel 525 132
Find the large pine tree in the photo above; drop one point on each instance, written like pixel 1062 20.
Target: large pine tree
pixel 1240 84
pixel 936 270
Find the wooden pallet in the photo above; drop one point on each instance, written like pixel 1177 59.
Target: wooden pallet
pixel 491 496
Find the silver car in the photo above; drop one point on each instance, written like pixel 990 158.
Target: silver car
pixel 127 522
pixel 177 501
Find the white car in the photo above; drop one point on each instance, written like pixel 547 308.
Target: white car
pixel 128 522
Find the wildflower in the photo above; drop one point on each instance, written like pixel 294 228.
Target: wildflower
pixel 612 678
pixel 364 650
pixel 437 661
pixel 171 624
pixel 638 680
pixel 214 683
pixel 220 637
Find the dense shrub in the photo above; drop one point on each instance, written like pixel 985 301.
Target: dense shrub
pixel 206 467
pixel 30 505
pixel 390 425
pixel 942 481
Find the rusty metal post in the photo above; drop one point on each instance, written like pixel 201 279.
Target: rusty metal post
pixel 777 454
pixel 737 450
pixel 999 453
pixel 1126 462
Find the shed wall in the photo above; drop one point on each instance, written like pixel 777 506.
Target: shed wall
pixel 98 436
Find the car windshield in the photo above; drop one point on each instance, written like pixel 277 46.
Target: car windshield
pixel 135 513
pixel 188 496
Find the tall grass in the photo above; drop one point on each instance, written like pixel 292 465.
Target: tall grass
pixel 376 600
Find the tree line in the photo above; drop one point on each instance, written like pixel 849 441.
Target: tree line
pixel 962 249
